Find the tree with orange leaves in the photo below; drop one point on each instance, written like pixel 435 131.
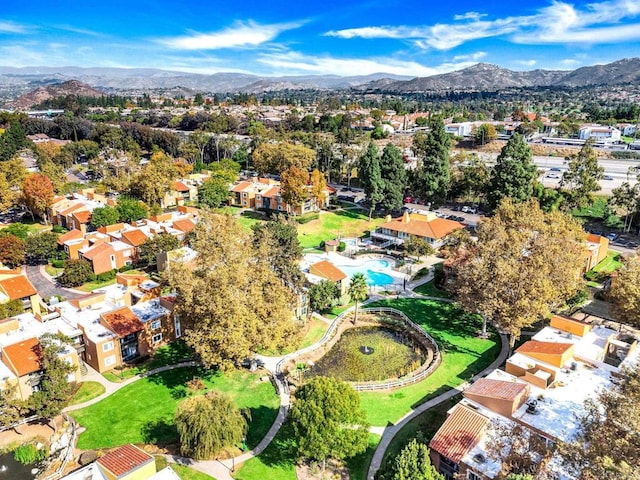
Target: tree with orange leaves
pixel 37 195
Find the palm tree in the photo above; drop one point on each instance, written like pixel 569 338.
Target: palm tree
pixel 358 291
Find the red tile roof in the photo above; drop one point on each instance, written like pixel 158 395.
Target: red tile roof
pixel 96 250
pixel 124 459
pixel 419 226
pixel 17 287
pixel 549 348
pixel 240 186
pixel 327 270
pixel 71 235
pixel 24 357
pixel 82 217
pixel 134 237
pixel 272 192
pixel 499 389
pixel 184 225
pixel 180 187
pixel 460 432
pixel 123 321
pixel 72 209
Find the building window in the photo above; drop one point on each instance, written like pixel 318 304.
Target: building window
pixel 107 346
pixel 156 338
pixel 156 324
pixel 472 475
pixel 110 360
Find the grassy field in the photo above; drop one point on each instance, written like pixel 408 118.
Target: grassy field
pixel 430 290
pixel 346 223
pixel 143 411
pixel 463 355
pixel 359 465
pixel 185 473
pixel 87 391
pixel 315 330
pixel 611 263
pixel 277 461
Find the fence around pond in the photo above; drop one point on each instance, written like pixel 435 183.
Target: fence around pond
pixel 417 375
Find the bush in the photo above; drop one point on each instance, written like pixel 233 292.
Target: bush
pixel 125 268
pixel 57 263
pixel 342 247
pixel 59 229
pixel 29 453
pixel 578 299
pixel 308 217
pixel 438 275
pixel 322 245
pixel 625 155
pixel 106 276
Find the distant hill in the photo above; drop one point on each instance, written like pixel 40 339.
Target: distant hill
pixel 40 94
pixel 487 77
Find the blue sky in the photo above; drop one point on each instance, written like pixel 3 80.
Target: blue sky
pixel 359 37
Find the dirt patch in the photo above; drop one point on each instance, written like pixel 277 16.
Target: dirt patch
pixel 333 471
pixel 26 433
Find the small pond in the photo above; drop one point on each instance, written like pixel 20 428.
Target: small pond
pixel 12 470
pixel 389 354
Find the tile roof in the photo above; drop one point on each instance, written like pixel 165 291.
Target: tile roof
pixel 96 250
pixel 549 348
pixel 184 225
pixel 272 192
pixel 124 459
pixel 460 432
pixel 83 216
pixel 596 239
pixel 499 389
pixel 240 186
pixel 72 209
pixel 327 270
pixel 74 234
pixel 436 228
pixel 135 237
pixel 123 321
pixel 180 187
pixel 24 357
pixel 17 287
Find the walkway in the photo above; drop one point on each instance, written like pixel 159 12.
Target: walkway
pixel 391 431
pixel 47 286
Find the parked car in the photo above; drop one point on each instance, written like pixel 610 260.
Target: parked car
pixel 552 175
pixel 555 169
pixel 607 177
pixel 612 236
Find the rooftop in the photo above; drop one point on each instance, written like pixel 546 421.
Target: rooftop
pixel 122 321
pixel 460 432
pixel 328 270
pixel 499 389
pixel 17 287
pixel 23 357
pixel 422 225
pixel 150 310
pixel 124 459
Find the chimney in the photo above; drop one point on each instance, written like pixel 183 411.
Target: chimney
pixel 387 218
pixel 405 217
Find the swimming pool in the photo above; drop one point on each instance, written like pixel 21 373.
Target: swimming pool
pixel 371 270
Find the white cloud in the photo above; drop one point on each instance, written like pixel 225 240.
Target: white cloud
pixel 239 35
pixel 526 63
pixel 296 63
pixel 471 57
pixel 12 27
pixel 560 22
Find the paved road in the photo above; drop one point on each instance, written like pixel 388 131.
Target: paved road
pixel 47 287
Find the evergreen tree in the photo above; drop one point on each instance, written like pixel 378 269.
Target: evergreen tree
pixel 370 177
pixel 394 177
pixel 413 463
pixel 582 176
pixel 514 174
pixel 431 180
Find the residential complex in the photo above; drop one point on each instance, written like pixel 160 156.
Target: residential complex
pixel 427 226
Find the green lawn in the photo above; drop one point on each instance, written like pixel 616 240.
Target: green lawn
pixel 346 223
pixel 143 411
pixel 185 473
pixel 611 263
pixel 277 461
pixel 315 330
pixel 359 465
pixel 463 355
pixel 53 271
pixel 86 392
pixel 596 210
pixel 430 290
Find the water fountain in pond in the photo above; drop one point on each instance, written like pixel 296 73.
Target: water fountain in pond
pixel 366 350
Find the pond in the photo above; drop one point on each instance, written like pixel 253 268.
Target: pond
pixel 365 354
pixel 12 470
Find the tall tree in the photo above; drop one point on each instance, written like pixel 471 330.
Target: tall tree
pixel 514 174
pixel 130 209
pixel 625 292
pixel 318 188
pixel 75 273
pixel 40 247
pixel 207 424
pixel 328 421
pixel 278 157
pixel 625 201
pixel 230 304
pixel 582 176
pixel 12 250
pixel 357 291
pixel 394 177
pixel 163 242
pixel 103 216
pixel 7 196
pixel 485 133
pixel 370 176
pixel 523 264
pixel 37 195
pixel 414 463
pixel 608 442
pixel 293 187
pixel 322 295
pixel 431 179
pixel 214 192
pixel 155 179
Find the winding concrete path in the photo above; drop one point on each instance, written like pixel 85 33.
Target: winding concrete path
pixel 46 286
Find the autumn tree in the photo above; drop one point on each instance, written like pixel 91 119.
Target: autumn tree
pixel 14 171
pixel 394 177
pixel 430 181
pixel 37 195
pixel 318 188
pixel 280 156
pixel 582 176
pixel 514 174
pixel 470 179
pixel 12 250
pixel 293 187
pixel 40 247
pixel 523 264
pixel 155 179
pixel 625 292
pixel 231 302
pixel 357 291
pixel 7 195
pixel 485 133
pixel 103 216
pixel 162 242
pixel 608 442
pixel 413 463
pixel 327 421
pixel 370 177
pixel 207 424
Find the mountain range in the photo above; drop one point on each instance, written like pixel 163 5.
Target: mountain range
pixel 479 77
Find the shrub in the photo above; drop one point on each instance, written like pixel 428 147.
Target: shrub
pixel 322 245
pixel 308 217
pixel 125 268
pixel 57 263
pixel 106 276
pixel 59 229
pixel 196 384
pixel 578 299
pixel 342 247
pixel 29 453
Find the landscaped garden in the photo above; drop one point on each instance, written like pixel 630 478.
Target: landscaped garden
pixel 611 263
pixel 429 289
pixel 346 223
pixel 87 391
pixel 143 412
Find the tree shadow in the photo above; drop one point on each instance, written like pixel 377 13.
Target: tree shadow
pixel 159 432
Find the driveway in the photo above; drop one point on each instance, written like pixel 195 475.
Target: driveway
pixel 46 286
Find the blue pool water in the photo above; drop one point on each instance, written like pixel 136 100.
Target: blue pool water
pixel 372 272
